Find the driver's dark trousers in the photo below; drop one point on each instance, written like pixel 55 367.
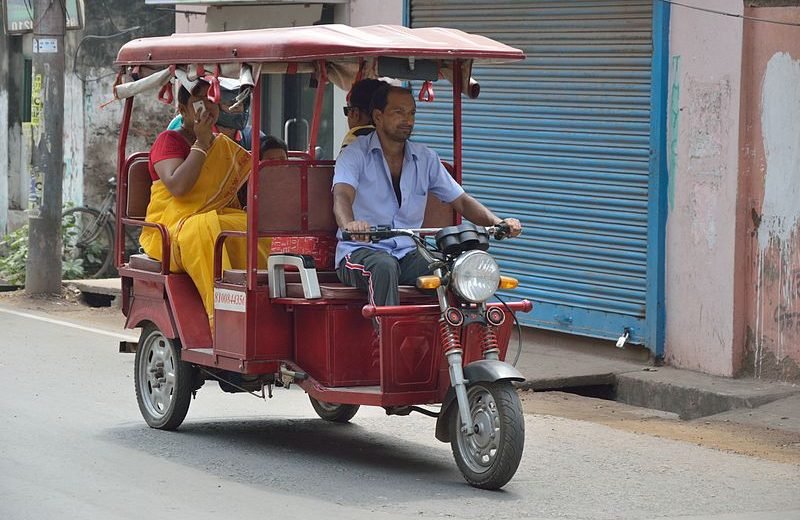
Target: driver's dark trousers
pixel 378 273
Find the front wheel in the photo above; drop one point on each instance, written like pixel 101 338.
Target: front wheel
pixel 340 413
pixel 491 455
pixel 164 383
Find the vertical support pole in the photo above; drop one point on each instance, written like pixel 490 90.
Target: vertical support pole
pixel 119 237
pixel 658 182
pixel 4 123
pixel 43 268
pixel 252 189
pixel 322 82
pixel 457 137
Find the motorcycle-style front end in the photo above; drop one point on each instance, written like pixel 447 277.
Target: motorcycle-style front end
pixel 486 428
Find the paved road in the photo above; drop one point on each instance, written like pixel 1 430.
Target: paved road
pixel 72 445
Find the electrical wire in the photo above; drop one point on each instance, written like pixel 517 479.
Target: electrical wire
pixel 732 15
pixel 107 37
pixel 519 329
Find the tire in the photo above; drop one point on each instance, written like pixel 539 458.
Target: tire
pixel 490 457
pixel 340 413
pixel 88 238
pixel 164 383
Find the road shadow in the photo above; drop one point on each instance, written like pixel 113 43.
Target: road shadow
pixel 343 463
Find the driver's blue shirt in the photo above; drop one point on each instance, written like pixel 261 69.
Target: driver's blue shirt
pixel 363 166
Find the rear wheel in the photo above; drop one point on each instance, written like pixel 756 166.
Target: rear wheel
pixel 491 455
pixel 163 382
pixel 88 241
pixel 340 413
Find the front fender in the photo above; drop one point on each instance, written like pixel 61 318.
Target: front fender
pixel 482 371
pixel 491 370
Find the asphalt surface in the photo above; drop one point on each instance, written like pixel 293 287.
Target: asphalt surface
pixel 73 445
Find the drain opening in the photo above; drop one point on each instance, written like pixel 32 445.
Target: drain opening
pixel 606 392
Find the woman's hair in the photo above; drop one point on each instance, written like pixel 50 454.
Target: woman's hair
pixel 184 94
pixel 270 142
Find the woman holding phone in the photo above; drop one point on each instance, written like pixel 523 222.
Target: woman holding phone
pixel 195 179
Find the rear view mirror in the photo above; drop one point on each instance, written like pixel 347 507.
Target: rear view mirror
pixel 408 68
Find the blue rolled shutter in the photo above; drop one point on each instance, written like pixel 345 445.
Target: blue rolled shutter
pixel 561 141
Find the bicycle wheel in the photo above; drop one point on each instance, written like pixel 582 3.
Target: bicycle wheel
pixel 88 240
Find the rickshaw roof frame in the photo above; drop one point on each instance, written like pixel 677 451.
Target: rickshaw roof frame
pixel 331 43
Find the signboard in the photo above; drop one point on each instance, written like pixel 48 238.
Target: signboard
pixel 18 15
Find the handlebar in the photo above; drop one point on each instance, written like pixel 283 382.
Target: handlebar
pixel 500 231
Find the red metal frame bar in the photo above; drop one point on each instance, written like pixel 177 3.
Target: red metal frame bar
pixel 119 240
pixel 218 243
pixel 165 242
pixel 372 311
pixel 252 189
pixel 322 82
pixel 457 136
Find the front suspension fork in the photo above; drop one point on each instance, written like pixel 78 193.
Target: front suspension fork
pixel 455 362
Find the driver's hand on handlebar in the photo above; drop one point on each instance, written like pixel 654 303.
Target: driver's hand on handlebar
pixel 515 226
pixel 357 229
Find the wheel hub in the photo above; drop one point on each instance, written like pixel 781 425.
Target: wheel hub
pixel 481 447
pixel 159 376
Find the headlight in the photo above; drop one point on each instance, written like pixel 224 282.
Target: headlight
pixel 475 276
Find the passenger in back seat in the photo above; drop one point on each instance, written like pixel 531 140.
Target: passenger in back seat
pixel 384 179
pixel 195 179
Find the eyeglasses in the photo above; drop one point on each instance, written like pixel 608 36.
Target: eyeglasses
pixel 347 110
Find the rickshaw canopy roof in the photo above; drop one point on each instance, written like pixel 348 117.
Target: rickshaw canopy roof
pixel 320 42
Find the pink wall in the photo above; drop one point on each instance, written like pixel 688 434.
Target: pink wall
pixel 770 216
pixel 703 144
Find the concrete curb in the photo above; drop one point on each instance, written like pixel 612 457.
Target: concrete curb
pixel 692 395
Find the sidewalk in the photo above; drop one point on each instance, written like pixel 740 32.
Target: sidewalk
pixel 557 361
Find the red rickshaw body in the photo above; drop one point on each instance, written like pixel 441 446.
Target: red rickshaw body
pixel 325 341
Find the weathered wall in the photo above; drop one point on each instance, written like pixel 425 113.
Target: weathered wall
pixel 703 117
pixel 90 130
pixel 771 202
pixel 232 18
pixel 95 76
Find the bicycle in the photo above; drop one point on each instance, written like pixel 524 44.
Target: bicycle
pixel 88 237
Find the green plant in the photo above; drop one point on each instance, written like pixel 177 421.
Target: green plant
pixel 14 255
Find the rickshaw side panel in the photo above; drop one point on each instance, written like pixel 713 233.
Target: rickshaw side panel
pixel 410 353
pixel 334 344
pixel 270 336
pixel 188 310
pixel 147 302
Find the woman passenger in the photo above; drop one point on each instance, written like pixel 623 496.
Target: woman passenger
pixel 195 179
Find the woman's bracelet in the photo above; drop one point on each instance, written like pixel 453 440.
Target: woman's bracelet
pixel 197 148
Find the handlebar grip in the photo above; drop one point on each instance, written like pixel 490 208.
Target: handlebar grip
pixel 502 230
pixel 346 236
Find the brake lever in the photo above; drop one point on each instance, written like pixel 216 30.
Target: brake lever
pixel 502 231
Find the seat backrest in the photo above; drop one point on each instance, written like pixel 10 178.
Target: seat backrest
pixel 138 189
pixel 282 208
pixel 296 198
pixel 437 213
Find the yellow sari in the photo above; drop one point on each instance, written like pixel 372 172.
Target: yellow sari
pixel 196 219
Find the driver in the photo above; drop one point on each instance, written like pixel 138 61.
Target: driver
pixel 384 179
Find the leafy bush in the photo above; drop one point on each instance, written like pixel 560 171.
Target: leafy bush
pixel 14 254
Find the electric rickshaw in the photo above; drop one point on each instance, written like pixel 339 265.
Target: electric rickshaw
pixel 440 352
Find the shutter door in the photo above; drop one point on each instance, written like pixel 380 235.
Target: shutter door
pixel 561 141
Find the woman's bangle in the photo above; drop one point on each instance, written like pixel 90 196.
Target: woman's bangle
pixel 197 148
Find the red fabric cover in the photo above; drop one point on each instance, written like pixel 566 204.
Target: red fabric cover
pixel 169 145
pixel 322 249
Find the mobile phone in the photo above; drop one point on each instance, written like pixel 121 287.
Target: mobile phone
pixel 198 106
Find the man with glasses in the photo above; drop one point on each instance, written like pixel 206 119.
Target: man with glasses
pixel 359 119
